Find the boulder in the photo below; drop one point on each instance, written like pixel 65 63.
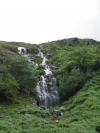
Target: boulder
pixel 56 121
pixel 62 109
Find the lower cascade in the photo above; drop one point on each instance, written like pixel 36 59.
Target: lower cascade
pixel 46 88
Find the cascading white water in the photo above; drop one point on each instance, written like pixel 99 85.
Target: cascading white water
pixel 46 88
pixel 23 51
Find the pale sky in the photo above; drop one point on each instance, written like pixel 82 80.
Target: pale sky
pixel 38 21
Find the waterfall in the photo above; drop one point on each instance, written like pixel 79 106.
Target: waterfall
pixel 46 88
pixel 23 51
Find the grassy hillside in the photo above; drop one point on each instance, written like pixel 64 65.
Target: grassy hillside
pixel 17 74
pixel 83 110
pixel 10 48
pixel 76 65
pixel 73 62
pixel 82 114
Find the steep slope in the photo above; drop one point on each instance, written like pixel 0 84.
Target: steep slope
pixel 16 72
pixel 10 49
pixel 82 114
pixel 73 62
pixel 76 65
pixel 83 110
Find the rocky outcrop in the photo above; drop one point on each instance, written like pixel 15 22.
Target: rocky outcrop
pixel 50 47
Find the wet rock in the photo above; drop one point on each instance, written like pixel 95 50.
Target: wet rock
pixel 22 50
pixel 17 102
pixel 49 55
pixel 62 109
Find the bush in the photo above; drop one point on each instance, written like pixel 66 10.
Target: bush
pixel 24 72
pixel 70 83
pixel 8 86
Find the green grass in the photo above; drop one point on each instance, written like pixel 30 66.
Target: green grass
pixel 82 114
pixel 83 110
pixel 17 122
pixel 17 102
pixel 10 48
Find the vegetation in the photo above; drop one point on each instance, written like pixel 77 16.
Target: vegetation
pixel 18 76
pixel 8 86
pixel 76 65
pixel 81 114
pixel 73 62
pixel 24 72
pixel 82 110
pixel 71 83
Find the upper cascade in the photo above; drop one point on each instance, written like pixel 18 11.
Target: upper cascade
pixel 44 63
pixel 22 50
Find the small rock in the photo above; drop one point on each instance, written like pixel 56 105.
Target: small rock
pixel 56 121
pixel 27 115
pixel 62 109
pixel 32 100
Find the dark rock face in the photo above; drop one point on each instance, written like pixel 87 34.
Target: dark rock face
pixel 49 48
